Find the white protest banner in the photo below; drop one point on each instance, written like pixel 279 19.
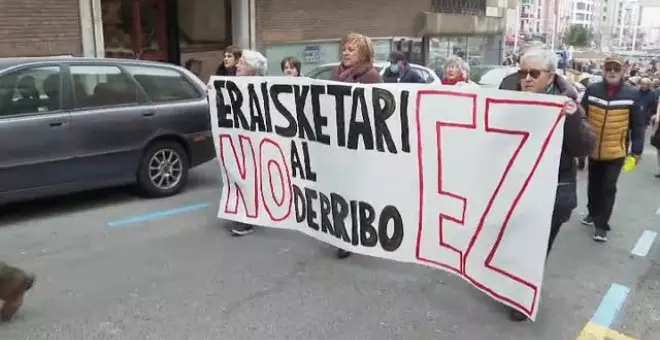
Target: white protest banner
pixel 462 180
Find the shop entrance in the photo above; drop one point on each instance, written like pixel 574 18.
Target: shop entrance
pixel 172 31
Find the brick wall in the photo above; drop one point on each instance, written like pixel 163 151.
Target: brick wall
pixel 39 28
pixel 281 21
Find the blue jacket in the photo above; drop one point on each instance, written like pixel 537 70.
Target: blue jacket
pixel 407 76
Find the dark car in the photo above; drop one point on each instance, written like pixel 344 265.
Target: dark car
pixel 74 124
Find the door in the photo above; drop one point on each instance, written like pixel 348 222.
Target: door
pixel 36 149
pixel 111 121
pixel 150 30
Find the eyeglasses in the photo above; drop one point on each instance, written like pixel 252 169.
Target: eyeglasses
pixel 531 72
pixel 613 68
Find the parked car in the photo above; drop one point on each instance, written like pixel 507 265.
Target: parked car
pixel 71 124
pixel 324 71
pixel 490 76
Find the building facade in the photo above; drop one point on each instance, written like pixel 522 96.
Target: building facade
pixel 178 31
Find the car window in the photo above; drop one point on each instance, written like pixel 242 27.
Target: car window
pixel 102 85
pixel 425 75
pixel 31 90
pixel 163 85
pixel 324 74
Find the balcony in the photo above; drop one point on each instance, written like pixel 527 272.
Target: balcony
pixel 461 7
pixel 466 17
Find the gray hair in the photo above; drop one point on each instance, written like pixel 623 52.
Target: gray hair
pixel 458 62
pixel 547 58
pixel 256 61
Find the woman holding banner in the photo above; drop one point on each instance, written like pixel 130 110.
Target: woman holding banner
pixel 537 73
pixel 357 66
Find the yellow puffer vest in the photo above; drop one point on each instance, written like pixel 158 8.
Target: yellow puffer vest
pixel 610 121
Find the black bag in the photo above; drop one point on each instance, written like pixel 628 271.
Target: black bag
pixel 655 139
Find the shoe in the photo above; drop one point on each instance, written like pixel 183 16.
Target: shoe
pixel 242 229
pixel 342 254
pixel 14 301
pixel 588 221
pixel 516 316
pixel 600 235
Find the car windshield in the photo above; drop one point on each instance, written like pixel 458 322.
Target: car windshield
pixel 491 76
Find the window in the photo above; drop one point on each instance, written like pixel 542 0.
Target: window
pixel 425 75
pixel 32 90
pixel 101 85
pixel 324 74
pixel 204 24
pixel 163 85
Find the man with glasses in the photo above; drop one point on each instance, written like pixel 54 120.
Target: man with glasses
pixel 617 121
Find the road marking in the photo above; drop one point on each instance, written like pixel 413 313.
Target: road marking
pixel 644 244
pixel 610 305
pixel 157 215
pixel 593 331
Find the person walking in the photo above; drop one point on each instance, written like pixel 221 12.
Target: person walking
pixel 537 74
pixel 400 72
pixel 230 57
pixel 455 71
pixel 614 113
pixel 251 64
pixel 357 66
pixel 14 282
pixel 648 98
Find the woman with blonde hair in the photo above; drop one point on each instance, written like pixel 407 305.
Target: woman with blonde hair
pixel 357 66
pixel 456 71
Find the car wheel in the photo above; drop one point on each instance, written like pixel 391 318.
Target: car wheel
pixel 163 169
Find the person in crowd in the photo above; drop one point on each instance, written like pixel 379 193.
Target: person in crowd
pixel 456 71
pixel 615 115
pixel 228 66
pixel 357 66
pixel 400 72
pixel 251 63
pixel 648 98
pixel 537 74
pixel 290 66
pixel 14 282
pixel 655 137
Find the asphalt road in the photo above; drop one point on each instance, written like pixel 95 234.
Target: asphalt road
pixel 184 277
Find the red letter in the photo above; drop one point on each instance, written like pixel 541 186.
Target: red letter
pixel 273 162
pixel 240 175
pixel 442 209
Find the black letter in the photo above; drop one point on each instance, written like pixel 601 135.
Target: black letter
pixel 264 94
pixel 223 109
pixel 304 128
pixel 256 116
pixel 405 130
pixel 299 203
pixel 339 214
pixel 311 214
pixel 291 129
pixel 309 173
pixel 368 236
pixel 355 222
pixel 384 105
pixel 296 166
pixel 355 128
pixel 339 92
pixel 319 121
pixel 388 243
pixel 236 99
pixel 326 211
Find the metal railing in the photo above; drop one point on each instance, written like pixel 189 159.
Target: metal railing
pixel 462 7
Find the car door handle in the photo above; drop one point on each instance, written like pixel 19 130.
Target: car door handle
pixel 56 124
pixel 149 114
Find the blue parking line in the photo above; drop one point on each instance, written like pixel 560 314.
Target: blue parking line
pixel 157 215
pixel 644 244
pixel 610 305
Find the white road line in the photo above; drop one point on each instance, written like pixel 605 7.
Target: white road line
pixel 644 244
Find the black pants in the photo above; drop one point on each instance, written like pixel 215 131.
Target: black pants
pixel 560 215
pixel 603 176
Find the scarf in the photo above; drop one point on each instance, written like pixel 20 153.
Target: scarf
pixel 351 74
pixel 446 81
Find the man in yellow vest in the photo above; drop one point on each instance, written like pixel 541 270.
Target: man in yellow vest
pixel 615 116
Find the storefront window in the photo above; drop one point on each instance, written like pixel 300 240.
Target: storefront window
pixel 382 49
pixel 311 55
pixel 477 47
pixel 438 52
pixel 204 24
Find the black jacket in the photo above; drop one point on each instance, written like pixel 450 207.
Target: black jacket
pixel 407 76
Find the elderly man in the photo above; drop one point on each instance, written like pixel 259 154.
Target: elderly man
pixel 14 282
pixel 648 98
pixel 538 73
pixel 251 63
pixel 615 115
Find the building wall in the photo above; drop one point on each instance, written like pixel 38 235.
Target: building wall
pixel 39 28
pixel 281 21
